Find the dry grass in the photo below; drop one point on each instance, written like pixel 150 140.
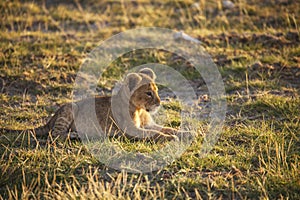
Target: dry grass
pixel 256 48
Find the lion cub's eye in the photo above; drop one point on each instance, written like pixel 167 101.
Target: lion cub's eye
pixel 150 94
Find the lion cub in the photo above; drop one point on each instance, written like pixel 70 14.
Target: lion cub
pixel 125 113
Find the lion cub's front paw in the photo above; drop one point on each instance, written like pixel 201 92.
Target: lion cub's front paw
pixel 164 137
pixel 177 134
pixel 168 131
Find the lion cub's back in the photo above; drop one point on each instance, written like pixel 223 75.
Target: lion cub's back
pixel 92 111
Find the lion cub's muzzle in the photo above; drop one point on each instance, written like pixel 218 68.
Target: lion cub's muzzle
pixel 154 108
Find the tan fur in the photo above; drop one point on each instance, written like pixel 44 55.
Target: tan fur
pixel 130 116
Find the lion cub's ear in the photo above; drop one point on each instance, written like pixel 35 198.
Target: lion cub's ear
pixel 149 72
pixel 132 80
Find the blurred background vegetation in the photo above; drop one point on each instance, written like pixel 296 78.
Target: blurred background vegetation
pixel 255 44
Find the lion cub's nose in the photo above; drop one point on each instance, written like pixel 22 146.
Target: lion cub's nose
pixel 158 102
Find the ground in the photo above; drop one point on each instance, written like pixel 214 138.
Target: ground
pixel 255 46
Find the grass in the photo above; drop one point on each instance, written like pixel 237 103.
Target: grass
pixel 256 48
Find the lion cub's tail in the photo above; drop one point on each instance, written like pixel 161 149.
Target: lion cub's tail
pixel 42 131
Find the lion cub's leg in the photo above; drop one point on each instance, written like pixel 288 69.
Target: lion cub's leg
pixel 169 131
pixel 161 136
pixel 154 130
pixel 64 121
pixel 158 133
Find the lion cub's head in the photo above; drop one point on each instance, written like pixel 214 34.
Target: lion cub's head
pixel 143 90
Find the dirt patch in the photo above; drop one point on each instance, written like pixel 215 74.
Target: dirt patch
pixel 223 59
pixel 289 76
pixel 16 85
pixel 267 40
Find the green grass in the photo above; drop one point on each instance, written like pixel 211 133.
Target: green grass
pixel 256 48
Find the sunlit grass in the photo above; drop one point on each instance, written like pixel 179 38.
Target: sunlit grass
pixel 256 48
